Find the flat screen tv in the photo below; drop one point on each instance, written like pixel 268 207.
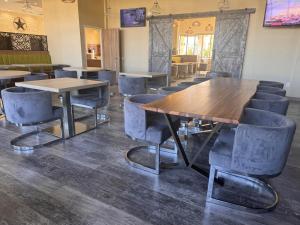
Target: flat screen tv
pixel 133 17
pixel 280 13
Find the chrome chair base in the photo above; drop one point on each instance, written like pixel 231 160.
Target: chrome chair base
pixel 260 183
pixel 154 169
pixel 140 165
pixel 21 148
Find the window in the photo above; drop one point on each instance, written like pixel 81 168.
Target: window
pixel 200 45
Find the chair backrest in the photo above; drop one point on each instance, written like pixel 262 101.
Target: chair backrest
pixel 271 90
pixel 214 74
pixel 64 73
pixel 269 102
pixel 271 83
pixel 36 76
pixel 201 79
pixel 135 117
pixel 132 85
pixel 108 75
pixel 262 143
pixel 27 106
pixel 170 90
pixel 187 84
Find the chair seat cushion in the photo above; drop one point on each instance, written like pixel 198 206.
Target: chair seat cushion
pixel 157 130
pixel 221 153
pixel 88 100
pixel 58 112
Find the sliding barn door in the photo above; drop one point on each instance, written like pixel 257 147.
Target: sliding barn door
pixel 160 48
pixel 230 43
pixel 111 49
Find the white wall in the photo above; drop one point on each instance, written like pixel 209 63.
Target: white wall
pixel 63 31
pixel 272 54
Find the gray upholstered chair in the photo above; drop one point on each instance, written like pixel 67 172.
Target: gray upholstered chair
pixel 108 75
pixel 271 90
pixel 129 86
pixel 174 73
pixel 26 107
pixel 36 76
pixel 147 127
pixel 99 99
pixel 269 102
pixel 64 73
pixel 201 79
pixel 187 84
pixel 170 90
pixel 257 149
pixel 214 74
pixel 271 84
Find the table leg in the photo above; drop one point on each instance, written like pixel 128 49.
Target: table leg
pixel 176 138
pixel 68 116
pixel 214 130
pixel 182 151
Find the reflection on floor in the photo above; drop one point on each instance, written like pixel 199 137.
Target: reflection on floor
pixel 86 180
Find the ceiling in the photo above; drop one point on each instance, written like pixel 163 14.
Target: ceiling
pixel 36 6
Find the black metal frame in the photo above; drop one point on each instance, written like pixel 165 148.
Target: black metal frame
pixel 212 178
pixel 178 143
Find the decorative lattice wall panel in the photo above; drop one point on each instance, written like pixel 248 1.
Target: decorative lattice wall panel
pixel 23 42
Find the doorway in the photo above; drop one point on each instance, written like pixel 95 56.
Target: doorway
pixel 192 47
pixel 92 37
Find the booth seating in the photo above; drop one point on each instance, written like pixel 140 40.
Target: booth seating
pixel 26 57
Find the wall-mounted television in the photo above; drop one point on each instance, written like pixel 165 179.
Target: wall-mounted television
pixel 133 17
pixel 280 13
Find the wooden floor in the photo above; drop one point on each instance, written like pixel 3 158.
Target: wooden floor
pixel 86 180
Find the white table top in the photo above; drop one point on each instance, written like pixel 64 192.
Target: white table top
pixel 83 69
pixel 13 74
pixel 144 74
pixel 60 85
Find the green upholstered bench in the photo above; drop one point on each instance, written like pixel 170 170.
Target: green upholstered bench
pixel 25 57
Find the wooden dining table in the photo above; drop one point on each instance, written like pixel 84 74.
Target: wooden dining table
pixel 220 100
pixel 64 87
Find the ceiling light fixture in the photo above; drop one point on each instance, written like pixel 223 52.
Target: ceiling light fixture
pixel 156 9
pixel 223 4
pixel 68 1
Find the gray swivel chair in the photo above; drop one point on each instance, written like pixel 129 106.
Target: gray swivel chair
pixel 187 84
pixel 64 73
pixel 170 90
pixel 257 149
pixel 26 107
pixel 271 90
pixel 201 79
pixel 269 102
pixel 99 99
pixel 129 86
pixel 108 75
pixel 153 84
pixel 36 76
pixel 214 74
pixel 271 84
pixel 147 127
